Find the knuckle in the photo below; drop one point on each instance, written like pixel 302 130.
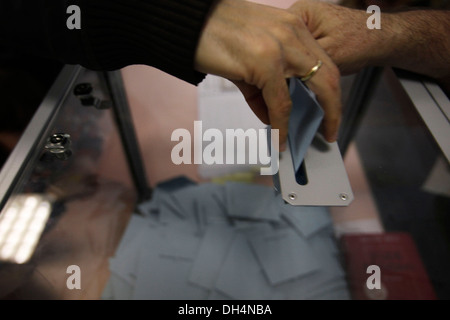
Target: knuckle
pixel 293 20
pixel 267 48
pixel 285 33
pixel 287 28
pixel 273 50
pixel 299 23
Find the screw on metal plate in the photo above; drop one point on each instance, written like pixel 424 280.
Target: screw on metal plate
pixel 58 145
pixel 292 196
pixel 84 92
pixel 343 196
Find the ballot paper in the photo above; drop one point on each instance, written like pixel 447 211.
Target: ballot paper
pixel 306 220
pixel 241 277
pixel 179 241
pixel 283 254
pixel 238 207
pixel 211 256
pixel 233 241
pixel 125 261
pixel 165 278
pixel 305 118
pixel 328 277
pixel 120 289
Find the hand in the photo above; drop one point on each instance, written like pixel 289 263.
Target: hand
pixel 342 32
pixel 414 40
pixel 258 47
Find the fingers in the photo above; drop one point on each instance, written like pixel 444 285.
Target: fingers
pixel 259 47
pixel 325 83
pixel 328 93
pixel 279 105
pixel 254 99
pixel 271 105
pixel 300 52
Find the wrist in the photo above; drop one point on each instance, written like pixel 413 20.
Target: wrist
pixel 384 42
pixel 394 41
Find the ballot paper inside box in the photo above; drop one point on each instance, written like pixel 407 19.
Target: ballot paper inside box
pixel 237 240
pixel 226 241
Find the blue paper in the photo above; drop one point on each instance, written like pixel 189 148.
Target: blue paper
pixel 306 116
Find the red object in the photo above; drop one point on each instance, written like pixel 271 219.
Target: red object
pixel 401 273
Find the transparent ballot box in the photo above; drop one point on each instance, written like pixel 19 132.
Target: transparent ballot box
pixel 95 203
pixel 64 203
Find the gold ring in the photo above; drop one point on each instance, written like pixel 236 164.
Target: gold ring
pixel 312 72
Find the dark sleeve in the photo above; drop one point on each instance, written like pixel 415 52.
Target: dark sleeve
pixel 114 33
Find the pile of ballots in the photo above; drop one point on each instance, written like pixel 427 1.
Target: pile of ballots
pixel 231 241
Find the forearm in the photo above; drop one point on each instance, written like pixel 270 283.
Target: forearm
pixel 163 34
pixel 417 41
pixel 113 34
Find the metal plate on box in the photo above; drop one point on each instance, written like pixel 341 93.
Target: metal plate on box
pixel 327 182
